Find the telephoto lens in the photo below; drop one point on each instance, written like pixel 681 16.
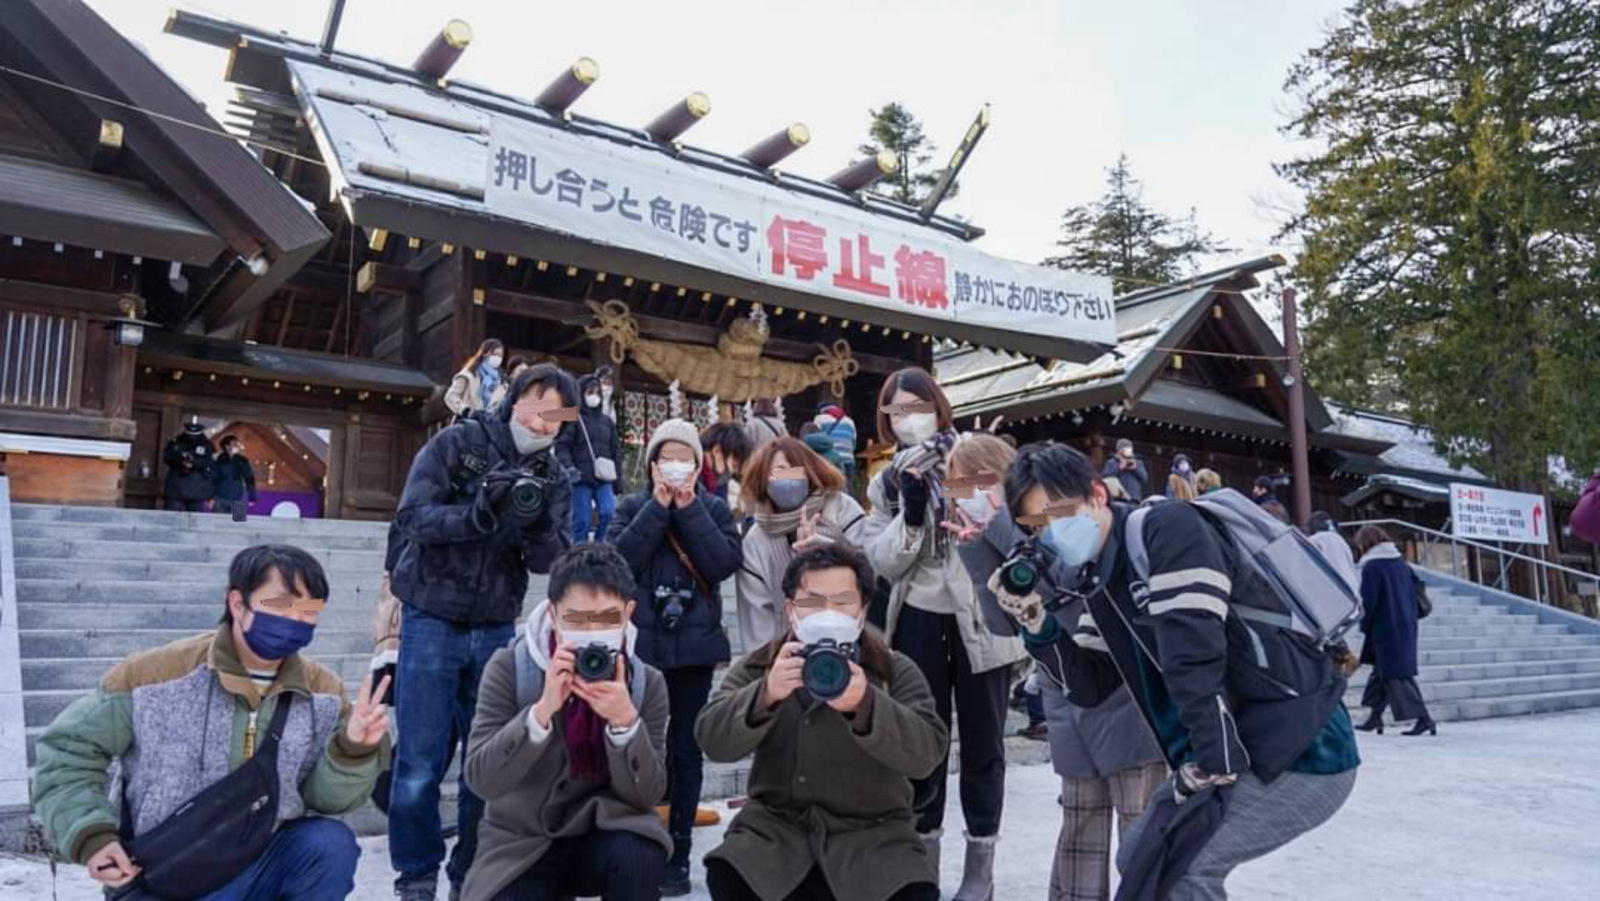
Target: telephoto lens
pixel 596 663
pixel 826 672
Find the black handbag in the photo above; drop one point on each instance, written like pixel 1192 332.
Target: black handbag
pixel 217 834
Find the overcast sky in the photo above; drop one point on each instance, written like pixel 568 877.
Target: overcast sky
pixel 1192 92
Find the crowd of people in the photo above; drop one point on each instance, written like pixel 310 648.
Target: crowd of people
pixel 1177 698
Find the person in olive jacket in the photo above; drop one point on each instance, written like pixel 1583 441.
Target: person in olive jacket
pixel 570 768
pixel 681 543
pixel 830 786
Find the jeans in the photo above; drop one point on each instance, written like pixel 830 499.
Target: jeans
pixel 726 884
pixel 310 859
pixel 688 688
pixel 584 498
pixel 615 866
pixel 933 642
pixel 441 663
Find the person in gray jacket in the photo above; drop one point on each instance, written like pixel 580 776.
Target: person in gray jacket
pixel 1105 755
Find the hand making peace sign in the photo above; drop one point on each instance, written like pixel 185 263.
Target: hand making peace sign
pixel 369 719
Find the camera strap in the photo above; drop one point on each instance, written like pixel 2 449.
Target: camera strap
pixel 688 564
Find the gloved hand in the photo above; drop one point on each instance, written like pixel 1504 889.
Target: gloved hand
pixel 1189 781
pixel 1027 610
pixel 914 499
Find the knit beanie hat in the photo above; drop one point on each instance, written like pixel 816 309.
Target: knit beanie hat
pixel 676 430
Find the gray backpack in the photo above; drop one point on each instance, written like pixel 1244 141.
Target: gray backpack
pixel 1311 597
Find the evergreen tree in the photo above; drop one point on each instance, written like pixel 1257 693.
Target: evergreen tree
pixel 1118 235
pixel 894 129
pixel 1451 222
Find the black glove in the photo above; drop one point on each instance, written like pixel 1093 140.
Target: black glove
pixel 914 499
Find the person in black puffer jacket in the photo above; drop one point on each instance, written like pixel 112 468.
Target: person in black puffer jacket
pixel 682 543
pixel 189 457
pixel 590 448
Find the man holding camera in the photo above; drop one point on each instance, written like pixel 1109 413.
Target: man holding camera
pixel 189 457
pixel 681 542
pixel 839 725
pixel 486 503
pixel 1128 470
pixel 568 747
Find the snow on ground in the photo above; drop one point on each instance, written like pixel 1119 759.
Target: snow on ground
pixel 1498 809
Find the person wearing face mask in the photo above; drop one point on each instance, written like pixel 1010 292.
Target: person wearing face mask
pixel 681 543
pixel 798 502
pixel 479 385
pixel 486 503
pixel 233 479
pixel 727 447
pixel 1181 480
pixel 1107 761
pixel 1128 469
pixel 1249 716
pixel 933 617
pixel 570 758
pixel 830 810
pixel 591 448
pixel 229 703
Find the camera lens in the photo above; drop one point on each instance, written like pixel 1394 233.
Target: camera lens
pixel 1020 576
pixel 826 673
pixel 596 663
pixel 527 497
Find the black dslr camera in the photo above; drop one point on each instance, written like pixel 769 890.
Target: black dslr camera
pixel 1027 570
pixel 527 494
pixel 595 663
pixel 826 672
pixel 671 604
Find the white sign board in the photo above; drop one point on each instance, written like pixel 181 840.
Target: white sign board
pixel 1490 514
pixel 626 197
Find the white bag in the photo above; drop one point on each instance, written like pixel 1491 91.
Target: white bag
pixel 605 468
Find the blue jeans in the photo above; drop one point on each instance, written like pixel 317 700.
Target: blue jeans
pixel 441 663
pixel 310 859
pixel 584 498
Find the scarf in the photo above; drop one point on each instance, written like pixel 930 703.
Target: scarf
pixel 774 523
pixel 488 381
pixel 583 731
pixel 932 459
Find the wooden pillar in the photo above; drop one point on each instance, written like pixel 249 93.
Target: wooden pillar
pixel 468 323
pixel 1097 448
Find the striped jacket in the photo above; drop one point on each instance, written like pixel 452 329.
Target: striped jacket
pixel 1214 690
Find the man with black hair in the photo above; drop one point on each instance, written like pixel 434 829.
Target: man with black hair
pixel 182 717
pixel 486 503
pixel 727 447
pixel 188 456
pixel 1249 716
pixel 571 759
pixel 233 479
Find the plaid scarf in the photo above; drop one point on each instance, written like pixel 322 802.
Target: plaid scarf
pixel 932 459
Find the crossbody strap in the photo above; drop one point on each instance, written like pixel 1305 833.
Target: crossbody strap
pixel 683 557
pixel 585 430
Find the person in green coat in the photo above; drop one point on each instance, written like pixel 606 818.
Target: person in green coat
pixel 830 813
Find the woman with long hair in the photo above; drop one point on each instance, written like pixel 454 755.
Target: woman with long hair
pixel 932 616
pixel 480 384
pixel 798 501
pixel 1389 596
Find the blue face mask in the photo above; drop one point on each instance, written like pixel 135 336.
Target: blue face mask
pixel 788 494
pixel 1073 540
pixel 276 637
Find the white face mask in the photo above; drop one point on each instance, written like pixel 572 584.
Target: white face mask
pixel 840 628
pixel 527 442
pixel 593 400
pixel 979 508
pixel 494 362
pixel 915 428
pixel 676 472
pixel 611 638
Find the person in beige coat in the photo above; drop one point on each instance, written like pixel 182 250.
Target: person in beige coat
pixel 798 501
pixel 570 767
pixel 479 385
pixel 934 618
pixel 830 812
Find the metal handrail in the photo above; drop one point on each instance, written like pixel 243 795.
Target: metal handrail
pixel 1541 587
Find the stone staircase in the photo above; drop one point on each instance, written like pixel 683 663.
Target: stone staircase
pixel 1485 653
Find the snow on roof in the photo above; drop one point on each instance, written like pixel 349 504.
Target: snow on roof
pixel 1412 446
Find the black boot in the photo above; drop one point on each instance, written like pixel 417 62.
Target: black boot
pixel 1424 726
pixel 675 879
pixel 1374 723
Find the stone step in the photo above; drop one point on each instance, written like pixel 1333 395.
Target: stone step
pixel 1507 655
pixel 76 591
pixel 1426 643
pixel 193 617
pixel 1513 705
pixel 25 515
pixel 1498 688
pixel 118 643
pixel 224 533
pixel 154 568
pixel 138 551
pixel 1469 672
pixel 1526 627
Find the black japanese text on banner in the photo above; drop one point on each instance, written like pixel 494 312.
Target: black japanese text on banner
pixel 644 201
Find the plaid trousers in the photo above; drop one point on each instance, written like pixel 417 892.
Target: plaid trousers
pixel 1082 869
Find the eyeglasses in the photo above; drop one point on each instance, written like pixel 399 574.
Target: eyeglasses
pixel 559 414
pixel 964 486
pixel 921 406
pixel 285 603
pixel 579 618
pixel 843 599
pixel 1052 510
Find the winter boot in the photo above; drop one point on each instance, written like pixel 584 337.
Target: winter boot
pixel 977 874
pixel 931 842
pixel 675 880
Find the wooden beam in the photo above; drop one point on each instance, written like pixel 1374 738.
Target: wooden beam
pixel 56 298
pixel 333 331
pixel 374 275
pixel 283 324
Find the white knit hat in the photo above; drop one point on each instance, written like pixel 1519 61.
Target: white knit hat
pixel 676 430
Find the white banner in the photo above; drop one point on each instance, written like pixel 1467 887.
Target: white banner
pixel 1491 514
pixel 621 196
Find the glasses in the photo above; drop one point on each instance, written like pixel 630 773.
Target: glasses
pixel 579 619
pixel 841 600
pixel 1052 510
pixel 287 602
pixel 559 414
pixel 965 486
pixel 921 406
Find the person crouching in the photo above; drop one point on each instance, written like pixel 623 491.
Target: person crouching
pixel 568 746
pixel 830 813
